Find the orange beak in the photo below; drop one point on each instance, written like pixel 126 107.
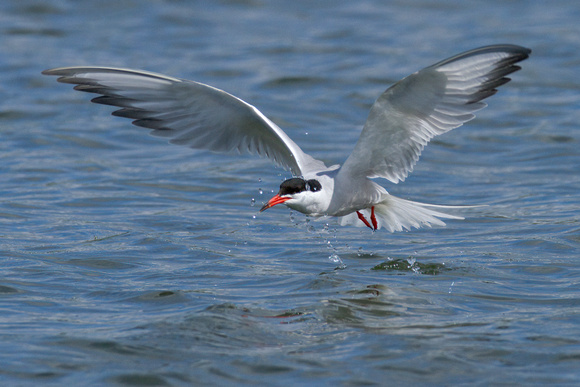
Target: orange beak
pixel 272 202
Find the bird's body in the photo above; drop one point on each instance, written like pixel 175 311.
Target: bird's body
pixel 400 123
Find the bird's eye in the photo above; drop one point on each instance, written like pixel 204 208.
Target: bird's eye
pixel 313 185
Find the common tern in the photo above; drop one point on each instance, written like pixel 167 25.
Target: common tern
pixel 401 122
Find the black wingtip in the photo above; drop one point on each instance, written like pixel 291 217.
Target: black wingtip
pixel 517 54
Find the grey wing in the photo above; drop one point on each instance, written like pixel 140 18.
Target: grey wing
pixel 425 104
pixel 189 113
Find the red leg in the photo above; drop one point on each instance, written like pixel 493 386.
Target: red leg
pixel 363 219
pixel 373 219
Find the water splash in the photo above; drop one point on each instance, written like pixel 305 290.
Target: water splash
pixel 413 266
pixel 334 258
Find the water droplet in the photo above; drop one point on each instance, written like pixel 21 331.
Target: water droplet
pixel 260 191
pixel 253 202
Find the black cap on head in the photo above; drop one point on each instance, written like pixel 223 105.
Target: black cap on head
pixel 292 186
pixel 296 185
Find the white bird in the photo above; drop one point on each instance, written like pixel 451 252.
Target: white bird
pixel 401 122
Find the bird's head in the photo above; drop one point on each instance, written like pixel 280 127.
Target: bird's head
pixel 299 194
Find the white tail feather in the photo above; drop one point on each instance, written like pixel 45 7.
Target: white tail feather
pixel 396 214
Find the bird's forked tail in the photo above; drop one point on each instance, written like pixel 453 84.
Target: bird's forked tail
pixel 396 214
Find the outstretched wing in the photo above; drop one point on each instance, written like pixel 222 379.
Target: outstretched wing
pixel 425 104
pixel 189 113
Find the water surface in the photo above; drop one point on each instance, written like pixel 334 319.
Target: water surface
pixel 127 261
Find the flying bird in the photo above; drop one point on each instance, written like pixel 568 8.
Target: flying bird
pixel 401 122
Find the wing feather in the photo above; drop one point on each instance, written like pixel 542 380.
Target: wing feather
pixel 189 113
pixel 428 103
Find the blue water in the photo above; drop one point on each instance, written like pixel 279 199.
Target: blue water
pixel 128 261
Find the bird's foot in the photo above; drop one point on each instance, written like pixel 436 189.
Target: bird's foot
pixel 374 225
pixel 373 219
